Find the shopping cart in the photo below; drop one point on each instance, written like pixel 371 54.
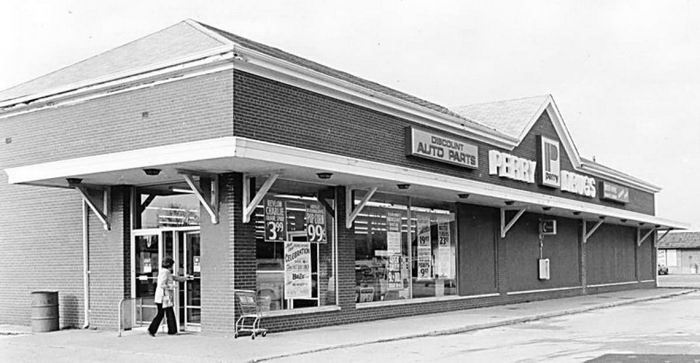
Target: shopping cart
pixel 249 321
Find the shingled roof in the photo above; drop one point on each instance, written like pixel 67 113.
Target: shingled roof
pixel 175 42
pixel 680 240
pixel 511 117
pixel 280 54
pixel 188 38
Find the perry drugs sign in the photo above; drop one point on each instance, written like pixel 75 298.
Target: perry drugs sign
pixel 446 149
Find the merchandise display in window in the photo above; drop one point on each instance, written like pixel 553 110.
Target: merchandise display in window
pixel 393 262
pixel 295 249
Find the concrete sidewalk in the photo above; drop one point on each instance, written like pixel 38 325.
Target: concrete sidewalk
pixel 104 346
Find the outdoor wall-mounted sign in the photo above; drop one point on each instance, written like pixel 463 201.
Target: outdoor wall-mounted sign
pixel 550 159
pixel 578 184
pixel 441 148
pixel 512 167
pixel 614 192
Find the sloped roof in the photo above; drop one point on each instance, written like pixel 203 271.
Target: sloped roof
pixel 680 240
pixel 184 39
pixel 174 42
pixel 280 54
pixel 512 117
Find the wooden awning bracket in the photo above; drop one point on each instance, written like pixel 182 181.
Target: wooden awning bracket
pixel 641 239
pixel 211 205
pixel 664 235
pixel 587 233
pixel 505 227
pixel 105 213
pixel 352 211
pixel 146 203
pixel 249 204
pixel 323 197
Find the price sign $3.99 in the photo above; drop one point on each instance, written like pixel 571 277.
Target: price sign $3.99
pixel 275 231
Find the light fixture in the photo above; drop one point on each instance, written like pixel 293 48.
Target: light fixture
pixel 657 226
pixel 601 217
pixel 463 195
pixel 181 190
pixel 324 175
pixel 623 220
pixel 151 171
pixel 403 186
pixel 509 202
pixel 641 223
pixel 546 208
pixel 577 213
pixel 74 181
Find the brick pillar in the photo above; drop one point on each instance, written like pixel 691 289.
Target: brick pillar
pixel 501 276
pixel 346 255
pixel 582 260
pixel 228 256
pixel 110 263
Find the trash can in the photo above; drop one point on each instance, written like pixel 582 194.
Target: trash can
pixel 44 311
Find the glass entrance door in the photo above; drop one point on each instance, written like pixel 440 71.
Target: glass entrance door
pixel 147 257
pixel 150 247
pixel 190 290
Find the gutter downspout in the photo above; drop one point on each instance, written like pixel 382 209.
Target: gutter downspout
pixel 86 271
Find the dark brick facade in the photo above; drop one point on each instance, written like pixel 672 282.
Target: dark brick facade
pixel 40 228
pixel 278 113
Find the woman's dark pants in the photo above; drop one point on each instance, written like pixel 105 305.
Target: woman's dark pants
pixel 170 316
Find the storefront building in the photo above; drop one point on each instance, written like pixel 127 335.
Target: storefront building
pixel 679 252
pixel 336 199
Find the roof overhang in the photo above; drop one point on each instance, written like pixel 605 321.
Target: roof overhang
pixel 253 157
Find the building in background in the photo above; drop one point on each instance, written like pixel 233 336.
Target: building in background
pixel 335 198
pixel 680 252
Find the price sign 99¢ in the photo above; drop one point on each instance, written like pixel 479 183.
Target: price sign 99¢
pixel 316 233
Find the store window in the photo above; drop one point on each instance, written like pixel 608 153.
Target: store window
pixel 395 262
pixel 295 247
pixel 164 206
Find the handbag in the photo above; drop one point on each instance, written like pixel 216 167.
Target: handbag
pixel 167 299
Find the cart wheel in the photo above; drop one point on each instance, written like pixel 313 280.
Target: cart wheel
pixel 235 335
pixel 252 336
pixel 264 334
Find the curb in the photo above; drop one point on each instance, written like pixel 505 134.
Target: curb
pixel 470 328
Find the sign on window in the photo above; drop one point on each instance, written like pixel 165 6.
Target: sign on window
pixel 275 220
pixel 297 270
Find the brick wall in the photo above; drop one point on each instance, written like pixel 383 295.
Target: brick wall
pixel 274 112
pixel 110 262
pixel 217 262
pixel 41 244
pixel 610 255
pixel 187 110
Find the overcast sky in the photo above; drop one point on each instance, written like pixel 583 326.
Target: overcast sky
pixel 625 74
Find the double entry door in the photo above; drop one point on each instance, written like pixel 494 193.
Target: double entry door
pixel 149 248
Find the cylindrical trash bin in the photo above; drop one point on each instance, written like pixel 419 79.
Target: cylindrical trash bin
pixel 44 311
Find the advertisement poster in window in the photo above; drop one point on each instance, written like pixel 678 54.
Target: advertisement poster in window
pixel 315 223
pixel 274 220
pixel 444 253
pixel 297 270
pixel 424 248
pixel 393 245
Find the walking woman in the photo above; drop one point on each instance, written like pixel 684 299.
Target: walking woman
pixel 164 298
